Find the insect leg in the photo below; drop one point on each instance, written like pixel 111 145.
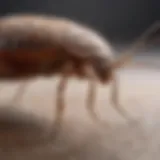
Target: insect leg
pixel 20 92
pixel 115 95
pixel 60 101
pixel 91 99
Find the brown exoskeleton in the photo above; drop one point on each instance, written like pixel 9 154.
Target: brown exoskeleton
pixel 33 45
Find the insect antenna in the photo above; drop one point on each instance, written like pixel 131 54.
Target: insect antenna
pixel 127 57
pixel 129 53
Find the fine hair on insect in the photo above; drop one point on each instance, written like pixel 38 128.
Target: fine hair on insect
pixel 32 45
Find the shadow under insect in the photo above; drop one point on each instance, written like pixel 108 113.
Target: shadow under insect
pixel 20 130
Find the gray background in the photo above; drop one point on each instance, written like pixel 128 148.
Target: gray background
pixel 118 20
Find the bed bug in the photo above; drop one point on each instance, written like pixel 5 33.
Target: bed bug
pixel 38 45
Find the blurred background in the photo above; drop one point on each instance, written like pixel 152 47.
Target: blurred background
pixel 120 21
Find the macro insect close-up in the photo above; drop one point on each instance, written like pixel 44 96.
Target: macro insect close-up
pixel 36 45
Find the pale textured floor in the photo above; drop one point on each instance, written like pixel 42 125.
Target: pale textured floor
pixel 80 138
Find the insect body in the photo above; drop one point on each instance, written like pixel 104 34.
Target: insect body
pixel 33 46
